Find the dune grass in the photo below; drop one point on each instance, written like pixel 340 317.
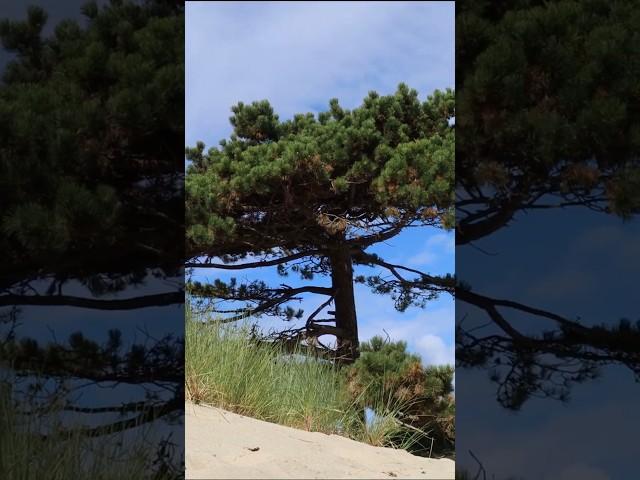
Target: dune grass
pixel 224 368
pixel 24 455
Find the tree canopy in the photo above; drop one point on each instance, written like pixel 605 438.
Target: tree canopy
pixel 91 188
pixel 549 110
pixel 549 117
pixel 87 117
pixel 311 194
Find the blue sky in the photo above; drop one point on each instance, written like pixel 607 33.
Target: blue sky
pixel 585 265
pixel 298 56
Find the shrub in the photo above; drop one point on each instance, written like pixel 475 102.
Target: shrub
pixel 385 370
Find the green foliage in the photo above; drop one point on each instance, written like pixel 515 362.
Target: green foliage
pixel 385 370
pixel 549 116
pixel 311 194
pixel 82 357
pixel 223 368
pixel 277 184
pixel 256 122
pixel 380 360
pixel 85 116
pixel 549 103
pixel 24 456
pixel 227 369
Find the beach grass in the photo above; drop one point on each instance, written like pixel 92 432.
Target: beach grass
pixel 25 453
pixel 226 369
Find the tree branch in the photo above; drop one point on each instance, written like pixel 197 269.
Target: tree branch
pixel 149 415
pixel 286 294
pixel 378 237
pixel 318 310
pixel 445 284
pixel 263 263
pixel 157 300
pixel 487 303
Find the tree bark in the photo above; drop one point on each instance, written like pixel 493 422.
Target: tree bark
pixel 345 305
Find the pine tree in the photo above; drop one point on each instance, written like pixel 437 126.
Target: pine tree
pixel 312 194
pixel 548 104
pixel 91 188
pixel 387 375
pixel 87 116
pixel 548 118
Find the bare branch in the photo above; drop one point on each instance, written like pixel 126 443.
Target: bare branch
pixel 262 263
pixel 445 284
pixel 157 300
pixel 485 303
pixel 318 310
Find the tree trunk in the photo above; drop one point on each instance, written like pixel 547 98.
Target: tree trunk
pixel 345 305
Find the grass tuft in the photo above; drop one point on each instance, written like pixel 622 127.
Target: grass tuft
pixel 224 368
pixel 25 455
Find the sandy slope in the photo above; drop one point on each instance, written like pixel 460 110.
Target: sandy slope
pixel 218 445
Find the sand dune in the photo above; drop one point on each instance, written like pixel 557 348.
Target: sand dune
pixel 221 444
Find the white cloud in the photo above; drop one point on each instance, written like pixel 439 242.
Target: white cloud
pixel 433 350
pixel 437 246
pixel 428 332
pixel 443 241
pixel 299 55
pixel 426 257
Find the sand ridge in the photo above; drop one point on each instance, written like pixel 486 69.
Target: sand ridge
pixel 221 444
